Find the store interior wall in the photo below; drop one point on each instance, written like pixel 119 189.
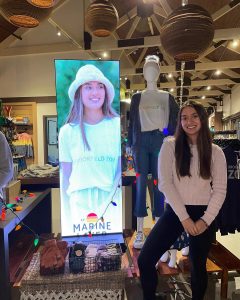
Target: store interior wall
pixel 43 109
pixel 31 75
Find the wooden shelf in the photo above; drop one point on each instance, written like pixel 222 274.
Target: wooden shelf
pixel 23 124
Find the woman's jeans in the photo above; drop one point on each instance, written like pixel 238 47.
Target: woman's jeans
pixel 162 236
pixel 145 162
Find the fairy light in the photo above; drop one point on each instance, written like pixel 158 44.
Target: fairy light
pixel 111 202
pixel 11 207
pixel 18 227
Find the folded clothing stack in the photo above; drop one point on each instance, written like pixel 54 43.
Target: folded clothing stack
pixel 52 257
pixel 94 258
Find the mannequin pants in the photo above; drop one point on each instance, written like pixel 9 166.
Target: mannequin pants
pixel 162 236
pixel 145 162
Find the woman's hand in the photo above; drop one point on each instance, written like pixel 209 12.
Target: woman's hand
pixel 190 227
pixel 201 226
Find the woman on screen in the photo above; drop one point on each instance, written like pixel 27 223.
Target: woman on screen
pixel 89 149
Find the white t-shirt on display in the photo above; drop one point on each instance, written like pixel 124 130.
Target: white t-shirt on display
pixel 154 110
pixel 97 167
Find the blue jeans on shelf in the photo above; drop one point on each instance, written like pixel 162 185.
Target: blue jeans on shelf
pixel 146 162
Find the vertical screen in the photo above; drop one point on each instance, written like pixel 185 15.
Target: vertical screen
pixel 89 140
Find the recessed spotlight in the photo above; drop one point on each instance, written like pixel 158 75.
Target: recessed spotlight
pixel 235 43
pixel 125 78
pixel 218 72
pixel 170 75
pixel 171 90
pixel 203 97
pixel 208 88
pixel 59 33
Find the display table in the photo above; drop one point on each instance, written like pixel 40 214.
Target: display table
pixel 34 210
pixel 94 286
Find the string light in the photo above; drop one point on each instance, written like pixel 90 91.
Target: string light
pixel 110 202
pixel 18 227
pixel 11 207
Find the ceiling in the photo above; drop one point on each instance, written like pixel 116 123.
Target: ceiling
pixel 134 38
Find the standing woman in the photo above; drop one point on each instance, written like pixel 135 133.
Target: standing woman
pixel 193 177
pixel 89 149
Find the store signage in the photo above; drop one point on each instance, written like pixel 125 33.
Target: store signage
pixel 89 141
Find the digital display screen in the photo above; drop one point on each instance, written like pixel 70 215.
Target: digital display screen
pixel 89 139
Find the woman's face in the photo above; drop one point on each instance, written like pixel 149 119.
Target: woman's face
pixel 93 95
pixel 190 122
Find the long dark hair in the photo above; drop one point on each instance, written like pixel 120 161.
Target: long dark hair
pixel 204 144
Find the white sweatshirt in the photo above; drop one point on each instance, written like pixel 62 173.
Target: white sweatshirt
pixel 192 190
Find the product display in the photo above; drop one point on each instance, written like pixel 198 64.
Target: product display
pixel 94 258
pixel 52 257
pixel 152 117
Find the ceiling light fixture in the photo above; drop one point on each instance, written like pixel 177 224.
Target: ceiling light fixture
pixel 203 97
pixel 42 3
pixel 59 33
pixel 208 88
pixel 218 72
pixel 171 90
pixel 235 43
pixel 180 36
pixel 101 18
pixel 23 14
pixel 170 75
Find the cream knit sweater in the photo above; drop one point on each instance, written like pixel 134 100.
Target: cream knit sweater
pixel 192 190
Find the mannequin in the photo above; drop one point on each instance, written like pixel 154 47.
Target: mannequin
pixel 171 255
pixel 153 115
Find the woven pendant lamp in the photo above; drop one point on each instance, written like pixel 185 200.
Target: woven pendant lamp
pixel 42 3
pixel 101 18
pixel 22 14
pixel 187 32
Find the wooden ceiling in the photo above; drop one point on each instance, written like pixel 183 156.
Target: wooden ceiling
pixel 68 16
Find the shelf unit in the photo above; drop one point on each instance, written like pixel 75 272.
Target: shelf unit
pixel 26 109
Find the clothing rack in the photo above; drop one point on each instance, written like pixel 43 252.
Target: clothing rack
pixel 226 134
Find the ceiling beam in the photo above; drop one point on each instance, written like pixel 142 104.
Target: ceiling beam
pixel 65 33
pixel 204 66
pixel 141 86
pixel 201 83
pixel 111 44
pixel 166 7
pixel 140 58
pixel 127 17
pixel 159 11
pixel 133 27
pixel 225 9
pixel 223 66
pixel 226 34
